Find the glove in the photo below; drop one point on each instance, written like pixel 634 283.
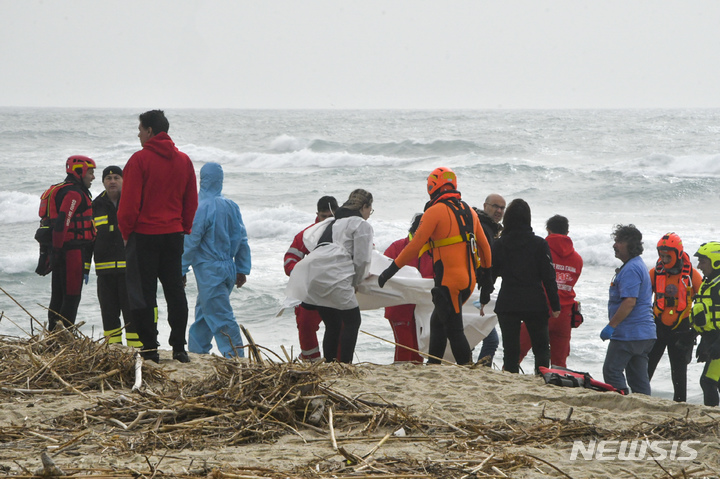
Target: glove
pixel 86 278
pixel 387 274
pixel 607 332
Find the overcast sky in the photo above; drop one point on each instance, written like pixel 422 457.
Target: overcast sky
pixel 360 54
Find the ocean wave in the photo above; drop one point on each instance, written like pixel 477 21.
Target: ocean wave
pixel 287 143
pixel 403 148
pixel 19 262
pixel 276 223
pixel 307 158
pixel 17 207
pixel 660 164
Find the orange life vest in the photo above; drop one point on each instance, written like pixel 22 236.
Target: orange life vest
pixel 671 297
pixel 48 206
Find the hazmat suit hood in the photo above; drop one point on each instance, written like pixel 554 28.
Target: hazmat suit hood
pixel 211 181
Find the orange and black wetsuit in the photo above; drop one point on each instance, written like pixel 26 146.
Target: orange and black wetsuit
pixel 455 261
pixel 674 290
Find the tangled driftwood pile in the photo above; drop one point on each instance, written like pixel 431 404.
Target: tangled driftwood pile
pixel 241 402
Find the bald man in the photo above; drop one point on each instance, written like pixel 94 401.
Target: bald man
pixel 490 217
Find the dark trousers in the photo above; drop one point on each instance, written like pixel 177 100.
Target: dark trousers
pixel 67 281
pixel 679 359
pixel 149 258
pixel 447 325
pixel 113 299
pixel 710 385
pixel 537 327
pixel 341 332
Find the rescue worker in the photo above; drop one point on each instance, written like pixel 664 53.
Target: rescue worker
pixel 68 211
pixel 460 251
pixel 327 278
pixel 402 317
pixel 705 319
pixel 568 265
pixel 218 251
pixel 308 321
pixel 630 328
pixel 158 206
pixel 674 283
pixel 109 254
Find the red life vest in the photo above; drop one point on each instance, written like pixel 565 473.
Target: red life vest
pixel 80 227
pixel 671 298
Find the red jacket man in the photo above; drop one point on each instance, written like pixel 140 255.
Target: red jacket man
pixel 568 266
pixel 158 206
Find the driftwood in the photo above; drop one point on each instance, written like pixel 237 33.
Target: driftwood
pixel 245 401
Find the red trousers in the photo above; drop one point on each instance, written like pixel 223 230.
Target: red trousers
pixel 402 321
pixel 308 323
pixel 559 329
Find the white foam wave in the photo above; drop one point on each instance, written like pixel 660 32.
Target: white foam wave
pixel 17 207
pixel 291 157
pixel 306 158
pixel 283 222
pixel 287 143
pixel 18 262
pixel 660 164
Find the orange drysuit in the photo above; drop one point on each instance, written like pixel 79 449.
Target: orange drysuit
pixel 452 266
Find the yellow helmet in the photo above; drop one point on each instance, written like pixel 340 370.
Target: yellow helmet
pixel 711 250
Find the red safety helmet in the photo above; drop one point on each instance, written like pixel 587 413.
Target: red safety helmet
pixel 671 243
pixel 440 177
pixel 77 165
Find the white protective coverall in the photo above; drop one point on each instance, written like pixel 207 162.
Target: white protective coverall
pixel 329 275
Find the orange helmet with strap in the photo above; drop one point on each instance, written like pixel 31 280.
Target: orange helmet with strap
pixel 77 165
pixel 440 177
pixel 671 243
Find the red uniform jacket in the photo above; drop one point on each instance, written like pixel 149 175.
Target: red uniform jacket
pixel 159 190
pixel 568 265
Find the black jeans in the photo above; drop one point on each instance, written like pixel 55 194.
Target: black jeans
pixel 537 327
pixel 341 332
pixel 149 258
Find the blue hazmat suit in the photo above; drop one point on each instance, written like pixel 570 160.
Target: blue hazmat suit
pixel 218 250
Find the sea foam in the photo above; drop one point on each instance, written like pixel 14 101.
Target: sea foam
pixel 17 207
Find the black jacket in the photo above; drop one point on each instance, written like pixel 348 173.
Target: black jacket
pixel 490 228
pixel 524 261
pixel 109 249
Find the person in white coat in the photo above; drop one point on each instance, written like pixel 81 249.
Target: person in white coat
pixel 339 259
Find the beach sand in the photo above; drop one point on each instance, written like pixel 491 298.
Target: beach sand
pixel 452 419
